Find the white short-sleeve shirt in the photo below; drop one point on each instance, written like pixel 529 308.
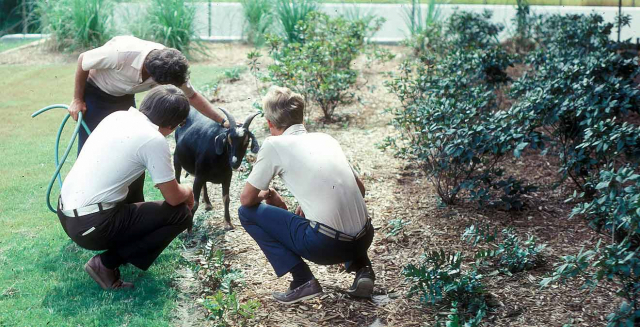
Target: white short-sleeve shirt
pixel 116 153
pixel 116 67
pixel 316 171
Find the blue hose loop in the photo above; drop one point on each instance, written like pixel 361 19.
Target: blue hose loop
pixel 60 163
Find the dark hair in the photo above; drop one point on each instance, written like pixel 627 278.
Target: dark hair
pixel 167 66
pixel 165 106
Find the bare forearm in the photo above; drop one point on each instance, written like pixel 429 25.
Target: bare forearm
pixel 249 199
pixel 80 81
pixel 204 107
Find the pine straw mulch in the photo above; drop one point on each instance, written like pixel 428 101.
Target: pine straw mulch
pixel 395 189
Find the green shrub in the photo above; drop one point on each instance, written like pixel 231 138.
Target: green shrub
pixel 449 119
pixel 396 226
pixel 76 24
pixel 320 68
pixel 232 74
pixel 415 21
pixel 578 93
pixel 469 30
pixel 439 278
pixel 292 15
pixel 512 254
pixel 170 22
pixel 257 14
pixel 617 263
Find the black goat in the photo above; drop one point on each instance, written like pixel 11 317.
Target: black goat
pixel 210 153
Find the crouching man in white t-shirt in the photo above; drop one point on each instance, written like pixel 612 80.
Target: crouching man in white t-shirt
pixel 331 225
pixel 92 207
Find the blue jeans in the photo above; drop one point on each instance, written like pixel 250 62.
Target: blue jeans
pixel 286 238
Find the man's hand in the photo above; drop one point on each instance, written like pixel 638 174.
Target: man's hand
pixel 276 200
pixel 77 105
pixel 299 211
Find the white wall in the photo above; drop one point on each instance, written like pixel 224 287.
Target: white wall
pixel 227 18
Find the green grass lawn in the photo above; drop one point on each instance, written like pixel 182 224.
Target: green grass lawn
pixel 42 281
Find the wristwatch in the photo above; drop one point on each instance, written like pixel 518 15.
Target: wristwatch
pixel 223 121
pixel 268 194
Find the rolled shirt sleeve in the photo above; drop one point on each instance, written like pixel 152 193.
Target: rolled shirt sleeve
pixel 188 89
pixel 266 167
pixel 104 57
pixel 156 157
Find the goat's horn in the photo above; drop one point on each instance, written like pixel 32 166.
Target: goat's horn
pixel 248 121
pixel 231 119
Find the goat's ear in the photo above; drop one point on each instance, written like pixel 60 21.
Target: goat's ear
pixel 255 147
pixel 220 143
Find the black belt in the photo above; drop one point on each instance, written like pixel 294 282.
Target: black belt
pixel 333 233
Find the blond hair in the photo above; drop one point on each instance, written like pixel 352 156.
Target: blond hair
pixel 283 107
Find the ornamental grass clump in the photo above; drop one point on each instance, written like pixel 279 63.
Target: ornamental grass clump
pixel 76 24
pixel 259 18
pixel 291 16
pixel 171 23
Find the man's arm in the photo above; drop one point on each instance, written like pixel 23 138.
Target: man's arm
pixel 78 104
pixel 251 196
pixel 176 194
pixel 201 104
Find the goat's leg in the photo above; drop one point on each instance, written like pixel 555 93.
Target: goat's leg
pixel 177 167
pixel 205 197
pixel 225 198
pixel 197 187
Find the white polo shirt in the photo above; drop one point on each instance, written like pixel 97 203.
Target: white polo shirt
pixel 316 171
pixel 116 153
pixel 116 67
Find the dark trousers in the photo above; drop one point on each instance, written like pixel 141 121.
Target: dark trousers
pixel 130 233
pixel 100 105
pixel 286 238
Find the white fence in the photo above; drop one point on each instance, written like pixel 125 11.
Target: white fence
pixel 225 21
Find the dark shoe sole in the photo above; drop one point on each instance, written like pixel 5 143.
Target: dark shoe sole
pixel 95 276
pixel 364 288
pixel 310 296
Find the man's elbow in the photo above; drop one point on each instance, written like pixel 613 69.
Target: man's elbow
pixel 245 201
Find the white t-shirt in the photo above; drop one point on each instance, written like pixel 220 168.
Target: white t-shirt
pixel 116 67
pixel 316 171
pixel 116 154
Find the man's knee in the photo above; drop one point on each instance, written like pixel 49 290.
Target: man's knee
pixel 245 214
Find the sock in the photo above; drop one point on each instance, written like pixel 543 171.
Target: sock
pixel 301 274
pixel 111 259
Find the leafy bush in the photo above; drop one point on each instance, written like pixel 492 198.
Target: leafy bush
pixel 617 263
pixel 170 22
pixel 320 68
pixel 257 14
pixel 578 92
pixel 469 30
pixel 232 74
pixel 440 278
pixel 76 24
pixel 512 254
pixel 449 119
pixel 292 15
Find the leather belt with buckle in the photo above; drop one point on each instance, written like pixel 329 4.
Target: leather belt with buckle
pixel 86 210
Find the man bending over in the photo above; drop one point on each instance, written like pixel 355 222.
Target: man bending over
pixel 331 224
pixel 93 209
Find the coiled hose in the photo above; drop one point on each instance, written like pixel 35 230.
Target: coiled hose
pixel 60 163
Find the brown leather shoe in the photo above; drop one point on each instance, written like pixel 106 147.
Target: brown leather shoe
pixel 106 278
pixel 303 292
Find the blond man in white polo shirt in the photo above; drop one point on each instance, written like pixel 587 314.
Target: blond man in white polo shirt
pixel 331 225
pixel 108 77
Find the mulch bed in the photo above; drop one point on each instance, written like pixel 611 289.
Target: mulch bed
pixel 399 189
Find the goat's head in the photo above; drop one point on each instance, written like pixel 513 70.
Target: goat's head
pixel 236 140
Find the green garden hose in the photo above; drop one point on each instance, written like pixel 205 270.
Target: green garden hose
pixel 60 163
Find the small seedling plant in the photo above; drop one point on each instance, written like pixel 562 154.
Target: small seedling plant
pixel 513 255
